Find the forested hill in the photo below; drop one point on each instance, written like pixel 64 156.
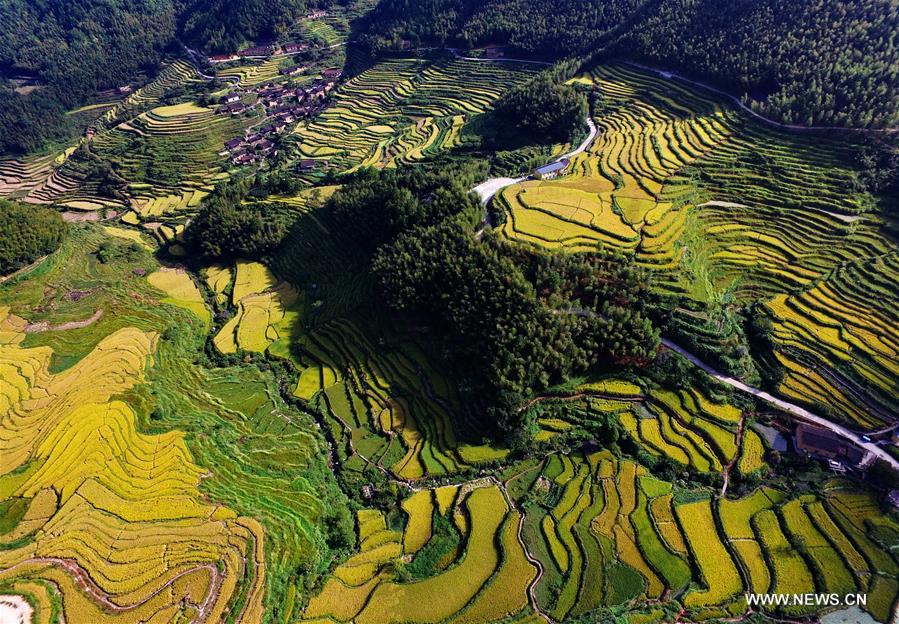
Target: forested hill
pixel 811 62
pixel 73 48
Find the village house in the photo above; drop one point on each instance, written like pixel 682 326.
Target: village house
pixel 233 144
pixel 222 58
pixel 821 443
pixel 316 14
pixel 332 74
pixel 292 70
pixel 552 170
pixel 243 158
pixel 293 48
pixel 256 51
pixel 231 98
pixel 494 51
pixel 307 164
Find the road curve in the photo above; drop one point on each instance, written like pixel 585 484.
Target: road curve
pixel 487 189
pixel 791 408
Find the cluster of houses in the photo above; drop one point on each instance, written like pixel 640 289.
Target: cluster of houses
pixel 282 106
pixel 265 50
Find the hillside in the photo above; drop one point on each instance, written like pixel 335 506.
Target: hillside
pixel 55 54
pixel 302 334
pixel 808 62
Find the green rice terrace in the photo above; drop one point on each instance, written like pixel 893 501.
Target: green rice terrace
pixel 284 366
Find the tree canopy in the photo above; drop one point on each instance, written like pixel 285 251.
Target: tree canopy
pixel 801 61
pixel 543 110
pixel 230 225
pixel 27 233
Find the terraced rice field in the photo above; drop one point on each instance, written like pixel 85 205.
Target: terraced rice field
pixel 839 343
pixel 253 74
pixel 148 487
pixel 55 179
pixel 401 111
pixel 82 464
pixel 486 581
pixel 686 427
pixel 383 404
pixel 265 307
pixel 171 156
pixel 607 533
pixel 712 203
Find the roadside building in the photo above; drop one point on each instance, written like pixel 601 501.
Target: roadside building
pixel 892 499
pixel 293 47
pixel 552 170
pixel 222 58
pixel 822 443
pixel 256 51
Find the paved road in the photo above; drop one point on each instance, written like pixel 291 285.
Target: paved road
pixel 491 187
pixel 795 410
pixel 486 190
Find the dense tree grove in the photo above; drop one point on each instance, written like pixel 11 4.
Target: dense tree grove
pixel 543 28
pixel 228 225
pixel 74 48
pixel 806 62
pixel 225 25
pixel 30 121
pixel 516 323
pixel 377 206
pixel 27 233
pixel 543 111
